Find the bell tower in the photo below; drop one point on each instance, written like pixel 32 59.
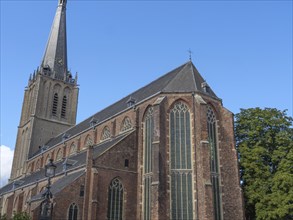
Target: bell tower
pixel 50 98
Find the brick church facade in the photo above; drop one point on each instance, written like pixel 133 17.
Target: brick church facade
pixel 166 151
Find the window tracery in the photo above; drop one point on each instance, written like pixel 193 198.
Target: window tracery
pixel 215 178
pixel 106 133
pixel 115 200
pixel 181 162
pixel 126 124
pixel 148 139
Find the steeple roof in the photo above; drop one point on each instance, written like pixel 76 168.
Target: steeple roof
pixel 55 57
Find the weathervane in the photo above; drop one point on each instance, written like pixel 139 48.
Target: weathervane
pixel 190 54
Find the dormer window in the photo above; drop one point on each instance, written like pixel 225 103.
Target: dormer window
pixel 65 136
pixel 130 102
pixel 205 87
pixel 93 122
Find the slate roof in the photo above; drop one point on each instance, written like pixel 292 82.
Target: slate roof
pixel 184 78
pixel 59 185
pixel 80 161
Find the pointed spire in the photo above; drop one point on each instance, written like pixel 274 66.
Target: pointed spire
pixel 55 57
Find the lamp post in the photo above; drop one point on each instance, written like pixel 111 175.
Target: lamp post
pixel 47 205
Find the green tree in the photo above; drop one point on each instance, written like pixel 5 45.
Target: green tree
pixel 264 140
pixel 21 216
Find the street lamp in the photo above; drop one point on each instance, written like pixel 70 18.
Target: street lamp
pixel 47 205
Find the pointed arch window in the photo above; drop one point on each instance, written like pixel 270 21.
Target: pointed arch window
pixel 106 133
pixel 126 124
pixel 215 178
pixel 63 109
pixel 72 149
pixel 55 104
pixel 181 162
pixel 115 200
pixel 72 212
pixel 147 165
pixel 59 155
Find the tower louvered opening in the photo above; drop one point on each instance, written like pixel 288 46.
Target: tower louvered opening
pixel 64 104
pixel 55 104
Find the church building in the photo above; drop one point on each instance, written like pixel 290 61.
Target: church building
pixel 165 151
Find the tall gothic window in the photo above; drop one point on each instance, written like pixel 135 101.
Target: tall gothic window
pixel 63 109
pixel 55 104
pixel 181 162
pixel 115 200
pixel 72 212
pixel 147 167
pixel 211 120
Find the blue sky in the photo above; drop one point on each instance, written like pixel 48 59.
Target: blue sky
pixel 242 48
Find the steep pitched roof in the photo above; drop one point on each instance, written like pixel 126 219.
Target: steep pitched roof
pixel 55 56
pixel 184 78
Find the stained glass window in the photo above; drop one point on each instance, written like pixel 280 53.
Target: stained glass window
pixel 115 200
pixel 211 120
pixel 148 139
pixel 72 212
pixel 181 162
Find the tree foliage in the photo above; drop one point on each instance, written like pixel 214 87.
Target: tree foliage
pixel 264 140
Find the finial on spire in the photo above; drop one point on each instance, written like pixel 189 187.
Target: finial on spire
pixel 190 54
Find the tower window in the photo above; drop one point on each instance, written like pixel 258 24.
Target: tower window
pixel 64 104
pixel 55 104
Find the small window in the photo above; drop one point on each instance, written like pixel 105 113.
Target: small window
pixel 126 163
pixel 55 104
pixel 81 191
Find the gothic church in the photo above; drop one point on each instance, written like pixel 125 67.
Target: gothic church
pixel 165 151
